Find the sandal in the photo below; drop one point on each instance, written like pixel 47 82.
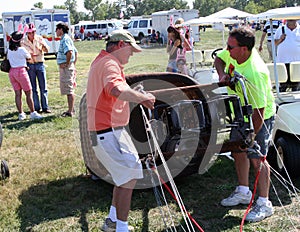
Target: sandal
pixel 66 114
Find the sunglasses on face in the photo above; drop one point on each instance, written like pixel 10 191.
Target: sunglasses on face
pixel 229 47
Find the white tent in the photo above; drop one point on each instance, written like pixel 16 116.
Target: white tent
pixel 210 21
pixel 278 13
pixel 216 23
pixel 230 13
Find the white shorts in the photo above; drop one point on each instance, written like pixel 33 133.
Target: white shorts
pixel 116 151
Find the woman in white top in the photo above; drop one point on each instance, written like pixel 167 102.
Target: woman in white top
pixel 18 75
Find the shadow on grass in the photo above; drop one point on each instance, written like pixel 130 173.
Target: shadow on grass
pixel 10 121
pixel 63 198
pixel 80 197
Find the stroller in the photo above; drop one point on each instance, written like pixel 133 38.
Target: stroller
pixel 4 166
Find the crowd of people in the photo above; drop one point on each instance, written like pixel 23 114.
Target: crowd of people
pixel 28 72
pixel 108 97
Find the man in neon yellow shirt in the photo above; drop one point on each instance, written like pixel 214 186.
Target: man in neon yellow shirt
pixel 246 61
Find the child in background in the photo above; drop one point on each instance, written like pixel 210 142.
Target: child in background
pixel 181 65
pixel 181 62
pixel 18 76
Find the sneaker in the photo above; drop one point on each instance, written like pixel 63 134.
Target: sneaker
pixel 260 211
pixel 22 116
pixel 35 115
pixel 110 226
pixel 237 198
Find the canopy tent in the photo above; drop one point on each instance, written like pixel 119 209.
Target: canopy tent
pixel 202 21
pixel 230 13
pixel 292 13
pixel 278 13
pixel 217 23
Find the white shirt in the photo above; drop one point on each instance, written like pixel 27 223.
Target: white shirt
pixel 267 28
pixel 289 49
pixel 18 58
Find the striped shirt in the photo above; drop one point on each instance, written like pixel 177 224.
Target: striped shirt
pixel 267 28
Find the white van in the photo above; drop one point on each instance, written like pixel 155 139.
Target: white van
pixel 140 27
pixel 103 27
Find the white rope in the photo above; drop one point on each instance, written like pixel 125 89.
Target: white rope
pixel 284 182
pixel 170 178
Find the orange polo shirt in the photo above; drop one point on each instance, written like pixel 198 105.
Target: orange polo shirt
pixel 103 109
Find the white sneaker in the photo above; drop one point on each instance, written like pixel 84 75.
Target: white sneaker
pixel 237 198
pixel 260 211
pixel 22 116
pixel 35 115
pixel 110 226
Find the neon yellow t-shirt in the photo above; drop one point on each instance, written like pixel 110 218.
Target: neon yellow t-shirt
pixel 258 83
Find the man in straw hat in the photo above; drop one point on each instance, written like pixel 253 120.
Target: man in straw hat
pixel 108 96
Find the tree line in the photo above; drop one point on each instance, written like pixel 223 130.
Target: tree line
pixel 99 10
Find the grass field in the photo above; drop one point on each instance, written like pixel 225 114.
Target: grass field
pixel 48 189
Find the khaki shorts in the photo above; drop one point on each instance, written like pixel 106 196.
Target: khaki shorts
pixel 67 79
pixel 116 151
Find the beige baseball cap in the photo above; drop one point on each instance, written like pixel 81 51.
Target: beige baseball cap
pixel 126 36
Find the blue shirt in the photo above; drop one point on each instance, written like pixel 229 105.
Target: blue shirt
pixel 66 44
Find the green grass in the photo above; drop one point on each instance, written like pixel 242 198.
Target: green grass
pixel 49 191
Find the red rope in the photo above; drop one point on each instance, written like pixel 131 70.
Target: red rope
pixel 173 195
pixel 253 195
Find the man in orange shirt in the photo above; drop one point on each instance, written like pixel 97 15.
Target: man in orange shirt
pixel 108 96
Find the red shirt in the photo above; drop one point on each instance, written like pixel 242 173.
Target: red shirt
pixel 105 110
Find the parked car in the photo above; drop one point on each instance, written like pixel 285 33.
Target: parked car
pixel 100 27
pixel 140 27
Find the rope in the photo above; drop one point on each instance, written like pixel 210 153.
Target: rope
pixel 263 158
pixel 253 195
pixel 175 194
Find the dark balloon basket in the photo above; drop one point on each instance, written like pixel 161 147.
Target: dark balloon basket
pixel 192 123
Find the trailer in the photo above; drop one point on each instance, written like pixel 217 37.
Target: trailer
pixel 45 21
pixel 161 20
pixel 1 40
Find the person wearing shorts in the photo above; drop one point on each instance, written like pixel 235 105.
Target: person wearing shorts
pixel 241 56
pixel 108 97
pixel 66 60
pixel 18 76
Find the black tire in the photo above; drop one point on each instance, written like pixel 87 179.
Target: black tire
pixel 286 154
pixel 4 170
pixel 91 161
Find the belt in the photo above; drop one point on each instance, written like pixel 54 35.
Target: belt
pixel 36 63
pixel 109 130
